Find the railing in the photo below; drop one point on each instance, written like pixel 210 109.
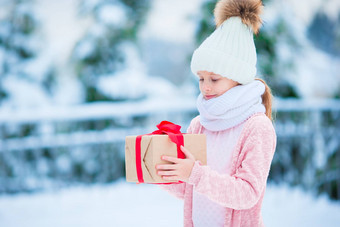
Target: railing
pixel 53 147
pixel 308 148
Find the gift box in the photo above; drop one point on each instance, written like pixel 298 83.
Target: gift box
pixel 143 152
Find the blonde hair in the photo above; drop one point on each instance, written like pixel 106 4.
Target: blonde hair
pixel 267 99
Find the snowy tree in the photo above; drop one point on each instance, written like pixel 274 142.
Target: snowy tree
pixel 324 32
pixel 23 69
pixel 110 47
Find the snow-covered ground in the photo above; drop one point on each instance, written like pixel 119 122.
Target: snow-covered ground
pixel 125 204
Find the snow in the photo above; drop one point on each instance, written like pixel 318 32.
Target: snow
pixel 2 57
pixel 167 21
pixel 24 93
pixel 126 204
pixel 68 91
pixel 169 33
pixel 303 105
pixel 112 15
pixel 61 26
pixel 37 68
pixel 99 110
pixel 285 206
pixel 331 8
pixel 305 10
pixel 127 85
pixel 297 54
pixel 310 74
pixel 84 49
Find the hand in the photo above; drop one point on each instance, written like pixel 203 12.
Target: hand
pixel 179 169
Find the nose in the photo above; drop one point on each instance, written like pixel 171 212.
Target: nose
pixel 206 87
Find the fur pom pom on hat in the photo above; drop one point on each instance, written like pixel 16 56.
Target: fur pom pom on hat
pixel 248 10
pixel 230 50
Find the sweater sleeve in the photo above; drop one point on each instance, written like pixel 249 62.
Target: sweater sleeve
pixel 178 190
pixel 243 189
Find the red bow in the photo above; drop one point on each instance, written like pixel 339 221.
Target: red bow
pixel 165 127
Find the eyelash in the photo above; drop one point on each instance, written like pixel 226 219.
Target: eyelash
pixel 213 80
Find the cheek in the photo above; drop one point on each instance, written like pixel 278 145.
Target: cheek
pixel 223 88
pixel 200 87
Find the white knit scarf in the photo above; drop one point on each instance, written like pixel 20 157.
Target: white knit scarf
pixel 231 108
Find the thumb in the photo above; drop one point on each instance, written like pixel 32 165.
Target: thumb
pixel 187 153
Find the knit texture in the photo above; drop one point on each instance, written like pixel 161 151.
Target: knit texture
pixel 229 51
pixel 232 107
pixel 206 212
pixel 241 191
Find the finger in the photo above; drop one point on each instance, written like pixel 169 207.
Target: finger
pixel 167 167
pixel 187 153
pixel 166 173
pixel 170 159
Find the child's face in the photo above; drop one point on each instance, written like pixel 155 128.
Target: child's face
pixel 213 85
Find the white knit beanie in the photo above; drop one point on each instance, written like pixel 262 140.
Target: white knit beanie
pixel 230 50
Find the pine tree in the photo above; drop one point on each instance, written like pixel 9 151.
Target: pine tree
pixel 101 51
pixel 20 50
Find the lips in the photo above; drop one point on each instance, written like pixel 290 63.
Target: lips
pixel 207 97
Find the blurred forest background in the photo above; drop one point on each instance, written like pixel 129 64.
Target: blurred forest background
pixel 78 76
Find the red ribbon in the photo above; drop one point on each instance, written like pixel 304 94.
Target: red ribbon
pixel 165 127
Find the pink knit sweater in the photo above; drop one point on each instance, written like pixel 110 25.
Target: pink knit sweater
pixel 242 191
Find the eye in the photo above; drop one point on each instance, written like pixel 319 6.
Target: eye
pixel 214 80
pixel 201 79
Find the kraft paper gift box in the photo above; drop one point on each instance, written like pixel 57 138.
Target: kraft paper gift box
pixel 152 147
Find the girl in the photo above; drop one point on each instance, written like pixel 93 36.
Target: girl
pixel 235 116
